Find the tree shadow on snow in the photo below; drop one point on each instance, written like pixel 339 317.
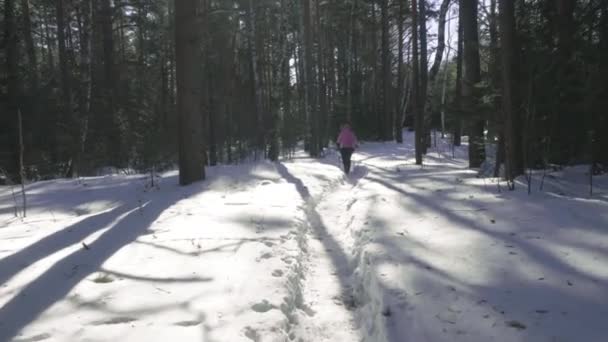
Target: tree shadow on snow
pixel 339 259
pixel 122 225
pixel 510 288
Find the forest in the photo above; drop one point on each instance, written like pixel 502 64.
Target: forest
pixel 303 170
pixel 143 85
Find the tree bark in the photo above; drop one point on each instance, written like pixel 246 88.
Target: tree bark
pixel 424 75
pixel 397 123
pixel 29 45
pixel 417 103
pixel 13 81
pixel 309 79
pixel 458 90
pixel 70 117
pixel 322 86
pixel 257 83
pixel 443 11
pixel 472 76
pixel 387 108
pixel 187 46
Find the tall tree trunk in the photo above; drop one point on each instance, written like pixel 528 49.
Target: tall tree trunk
pixel 600 148
pixel 507 37
pixel 387 108
pixel 322 91
pixel 13 82
pixel 472 76
pixel 446 76
pixel 309 79
pixel 187 47
pixel 288 123
pixel 397 123
pixel 424 75
pixel 494 71
pixel 114 146
pixel 66 90
pixel 443 11
pixel 418 105
pixel 257 90
pixel 458 98
pixel 84 16
pixel 569 133
pixel 350 62
pixel 30 47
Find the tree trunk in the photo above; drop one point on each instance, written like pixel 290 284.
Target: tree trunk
pixel 322 91
pixel 387 108
pixel 114 146
pixel 569 133
pixel 48 39
pixel 187 47
pixel 472 76
pixel 443 11
pixel 458 90
pixel 253 46
pixel 424 75
pixel 30 47
pixel 446 75
pixel 84 16
pixel 418 105
pixel 309 79
pixel 494 73
pixel 66 90
pixel 513 164
pixel 600 148
pixel 397 123
pixel 13 81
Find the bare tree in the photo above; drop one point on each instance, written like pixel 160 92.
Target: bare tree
pixel 472 76
pixel 418 105
pixel 187 57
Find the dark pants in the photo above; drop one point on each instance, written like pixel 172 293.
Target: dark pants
pixel 346 153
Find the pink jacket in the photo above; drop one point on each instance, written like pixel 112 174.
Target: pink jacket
pixel 347 138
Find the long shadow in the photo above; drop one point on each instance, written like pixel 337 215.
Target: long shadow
pixel 533 251
pixel 53 284
pixel 541 295
pixel 339 259
pixel 16 262
pixel 73 194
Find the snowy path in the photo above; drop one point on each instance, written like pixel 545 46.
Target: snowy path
pixel 326 285
pixel 296 251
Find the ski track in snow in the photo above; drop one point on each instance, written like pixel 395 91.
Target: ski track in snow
pixel 297 251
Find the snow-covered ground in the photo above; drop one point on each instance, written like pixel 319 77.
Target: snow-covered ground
pixel 296 251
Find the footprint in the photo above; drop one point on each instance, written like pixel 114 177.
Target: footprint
pixel 266 255
pixel 263 306
pixel 277 273
pixel 103 279
pixel 252 334
pixel 187 323
pixel 114 320
pixel 351 203
pixel 268 244
pixel 35 338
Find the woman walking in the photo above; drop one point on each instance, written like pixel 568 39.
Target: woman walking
pixel 347 142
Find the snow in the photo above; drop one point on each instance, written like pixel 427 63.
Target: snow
pixel 297 251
